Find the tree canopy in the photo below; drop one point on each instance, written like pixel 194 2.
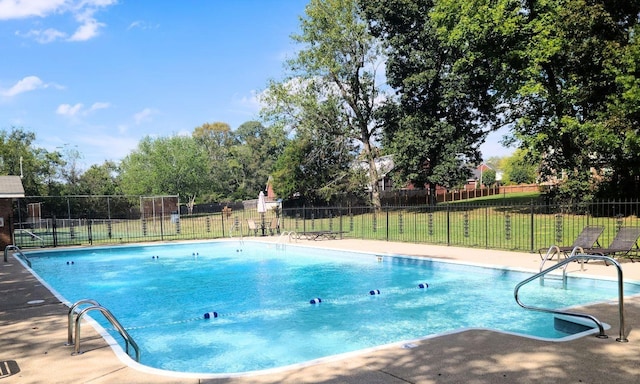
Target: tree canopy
pixel 562 75
pixel 331 92
pixel 445 100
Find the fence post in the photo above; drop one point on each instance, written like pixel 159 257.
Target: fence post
pixel 54 231
pixel 448 224
pixel 387 210
pixel 89 231
pixel 486 227
pixel 304 218
pixel 532 227
pixel 222 216
pixel 340 222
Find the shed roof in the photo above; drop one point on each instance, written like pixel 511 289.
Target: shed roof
pixel 11 187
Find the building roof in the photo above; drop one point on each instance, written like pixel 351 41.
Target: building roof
pixel 11 187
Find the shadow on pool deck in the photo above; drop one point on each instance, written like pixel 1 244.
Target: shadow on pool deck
pixel 32 338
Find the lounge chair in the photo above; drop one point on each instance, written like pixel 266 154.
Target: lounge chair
pixel 252 227
pixel 274 227
pixel 623 244
pixel 584 242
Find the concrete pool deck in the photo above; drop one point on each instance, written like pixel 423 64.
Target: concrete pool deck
pixel 33 331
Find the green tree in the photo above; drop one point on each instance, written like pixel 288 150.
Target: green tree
pixel 218 139
pixel 100 180
pixel 619 143
pixel 518 169
pixel 332 82
pixel 320 156
pixel 255 156
pixel 558 69
pixel 174 165
pixel 446 101
pixel 40 170
pixel 488 177
pixel 70 171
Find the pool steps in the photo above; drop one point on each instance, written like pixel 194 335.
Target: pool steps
pixel 563 264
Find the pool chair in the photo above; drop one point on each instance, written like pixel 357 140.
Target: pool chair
pixel 584 242
pixel 252 227
pixel 274 227
pixel 623 245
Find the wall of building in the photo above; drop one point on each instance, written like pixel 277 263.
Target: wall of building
pixel 6 212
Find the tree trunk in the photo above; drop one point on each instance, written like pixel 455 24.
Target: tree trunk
pixel 373 176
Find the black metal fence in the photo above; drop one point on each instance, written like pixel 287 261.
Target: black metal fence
pixel 94 220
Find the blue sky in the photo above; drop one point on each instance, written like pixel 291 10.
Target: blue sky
pixel 99 75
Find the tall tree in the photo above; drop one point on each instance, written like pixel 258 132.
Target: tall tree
pixel 620 141
pixel 335 74
pixel 446 102
pixel 319 162
pixel 255 156
pixel 100 180
pixel 563 61
pixel 217 138
pixel 40 169
pixel 166 166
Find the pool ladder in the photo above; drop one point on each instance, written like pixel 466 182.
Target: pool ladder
pixel 286 235
pixel 95 306
pixel 563 264
pixel 18 251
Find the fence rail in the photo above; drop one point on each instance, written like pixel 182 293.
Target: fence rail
pixel 525 227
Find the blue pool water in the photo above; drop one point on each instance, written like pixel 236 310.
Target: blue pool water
pixel 262 295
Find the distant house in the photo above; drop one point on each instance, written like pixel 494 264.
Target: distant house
pixel 384 166
pixel 477 173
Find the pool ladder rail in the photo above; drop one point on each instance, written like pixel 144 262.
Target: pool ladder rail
pixel 95 306
pixel 289 235
pixel 554 251
pixel 18 251
pixel 563 264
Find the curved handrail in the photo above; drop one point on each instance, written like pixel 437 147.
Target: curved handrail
pixel 70 317
pixel 622 337
pixel 19 251
pixel 289 234
pixel 109 316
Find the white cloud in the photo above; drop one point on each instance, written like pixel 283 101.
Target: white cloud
pixel 19 9
pixel 251 101
pixel 44 36
pixel 139 24
pixel 100 105
pixel 99 147
pixel 79 110
pixel 144 116
pixel 88 30
pixel 68 109
pixel 82 11
pixel 29 83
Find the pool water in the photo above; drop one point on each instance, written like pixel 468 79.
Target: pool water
pixel 262 297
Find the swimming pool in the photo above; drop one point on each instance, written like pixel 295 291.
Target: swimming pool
pixel 263 298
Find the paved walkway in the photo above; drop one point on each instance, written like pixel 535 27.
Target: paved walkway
pixel 33 331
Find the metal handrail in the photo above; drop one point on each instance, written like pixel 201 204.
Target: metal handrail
pixel 289 234
pixel 70 317
pixel 109 316
pixel 33 235
pixel 581 257
pixel 19 251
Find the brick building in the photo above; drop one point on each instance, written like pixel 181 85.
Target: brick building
pixel 10 188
